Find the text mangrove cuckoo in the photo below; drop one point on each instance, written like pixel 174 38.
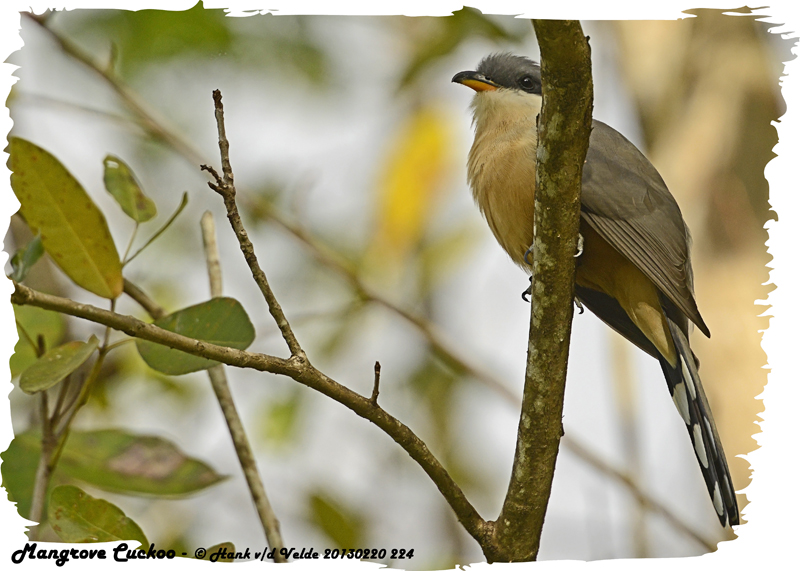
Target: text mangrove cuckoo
pixel 633 271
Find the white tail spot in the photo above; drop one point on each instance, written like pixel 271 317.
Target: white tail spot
pixel 688 378
pixel 681 402
pixel 717 498
pixel 699 445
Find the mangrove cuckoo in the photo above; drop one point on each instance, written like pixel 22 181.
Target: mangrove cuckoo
pixel 633 270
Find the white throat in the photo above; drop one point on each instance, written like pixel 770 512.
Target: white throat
pixel 505 107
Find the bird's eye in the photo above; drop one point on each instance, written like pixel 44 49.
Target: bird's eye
pixel 526 82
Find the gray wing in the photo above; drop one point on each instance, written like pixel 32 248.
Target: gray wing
pixel 625 200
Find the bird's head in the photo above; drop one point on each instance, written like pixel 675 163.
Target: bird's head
pixel 506 86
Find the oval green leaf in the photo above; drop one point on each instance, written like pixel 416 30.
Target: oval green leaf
pixel 112 460
pixel 74 231
pixel 134 464
pixel 31 322
pixel 221 321
pixel 77 517
pixel 123 186
pixel 56 364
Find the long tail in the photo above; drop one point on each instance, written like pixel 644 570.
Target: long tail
pixel 690 399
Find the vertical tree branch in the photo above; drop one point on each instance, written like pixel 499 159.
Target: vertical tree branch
pixel 563 129
pixel 219 382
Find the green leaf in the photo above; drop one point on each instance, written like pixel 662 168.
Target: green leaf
pixel 148 37
pixel 32 322
pixel 74 231
pixel 24 259
pixel 20 461
pixel 344 526
pixel 56 364
pixel 127 463
pixel 123 186
pixel 221 321
pixel 77 517
pixel 112 460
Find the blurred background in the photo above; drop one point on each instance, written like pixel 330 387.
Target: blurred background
pixel 349 146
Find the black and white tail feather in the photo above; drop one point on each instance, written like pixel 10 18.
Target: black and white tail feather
pixel 690 399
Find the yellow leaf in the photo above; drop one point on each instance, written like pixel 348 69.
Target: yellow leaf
pixel 412 180
pixel 73 229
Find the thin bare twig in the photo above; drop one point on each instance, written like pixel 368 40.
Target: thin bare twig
pixel 167 224
pixel 152 308
pixel 211 250
pixel 224 187
pixel 41 480
pixel 219 382
pixel 376 384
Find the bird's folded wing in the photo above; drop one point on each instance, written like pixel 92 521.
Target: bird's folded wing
pixel 625 200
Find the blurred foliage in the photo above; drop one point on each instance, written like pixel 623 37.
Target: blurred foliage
pixel 342 328
pixel 436 386
pixel 281 419
pixel 152 37
pixel 343 525
pixel 439 37
pixel 413 178
pixel 77 517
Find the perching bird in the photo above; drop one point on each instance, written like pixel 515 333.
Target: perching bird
pixel 634 270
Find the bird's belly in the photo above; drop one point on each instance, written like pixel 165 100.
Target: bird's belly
pixel 503 177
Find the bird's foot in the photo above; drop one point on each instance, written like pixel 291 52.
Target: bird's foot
pixel 580 246
pixel 528 257
pixel 579 305
pixel 528 291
